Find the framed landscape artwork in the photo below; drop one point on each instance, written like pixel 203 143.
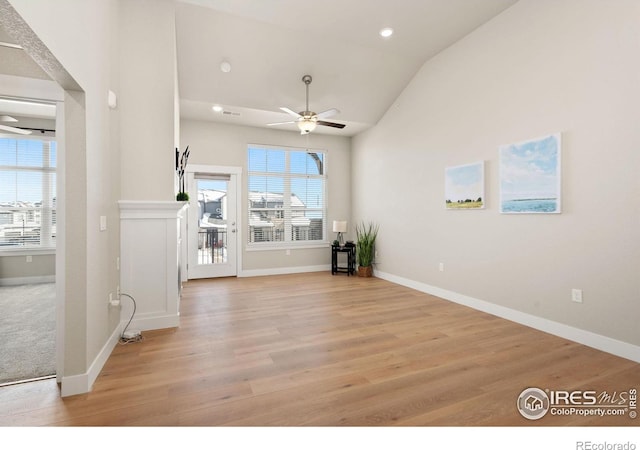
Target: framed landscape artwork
pixel 464 186
pixel 530 176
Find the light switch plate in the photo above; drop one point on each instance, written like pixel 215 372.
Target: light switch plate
pixel 576 295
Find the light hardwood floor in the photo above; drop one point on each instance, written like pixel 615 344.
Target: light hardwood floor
pixel 321 350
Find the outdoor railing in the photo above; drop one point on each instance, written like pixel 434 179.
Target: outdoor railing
pixel 212 245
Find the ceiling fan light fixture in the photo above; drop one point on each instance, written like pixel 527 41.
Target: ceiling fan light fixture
pixel 217 108
pixel 307 120
pixel 307 124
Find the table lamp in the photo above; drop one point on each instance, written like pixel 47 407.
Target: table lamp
pixel 340 226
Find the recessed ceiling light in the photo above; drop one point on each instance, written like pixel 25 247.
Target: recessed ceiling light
pixel 225 66
pixel 386 32
pixel 217 108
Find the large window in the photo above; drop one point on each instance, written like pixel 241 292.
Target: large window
pixel 287 201
pixel 27 193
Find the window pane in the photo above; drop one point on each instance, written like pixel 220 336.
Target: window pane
pixel 20 227
pixel 53 154
pixel 309 191
pixel 29 190
pixel 263 160
pixel 257 183
pixel 276 161
pixel 8 180
pixel 307 163
pixel 52 188
pixel 289 205
pixel 27 193
pixel 257 160
pixel 299 162
pixel 8 152
pixel 307 226
pixel 266 192
pixel 29 153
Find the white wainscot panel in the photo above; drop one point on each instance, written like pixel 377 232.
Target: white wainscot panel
pixel 150 263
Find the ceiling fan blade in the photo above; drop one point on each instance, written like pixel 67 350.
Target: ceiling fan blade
pixel 278 123
pixel 14 129
pixel 331 124
pixel 4 118
pixel 290 111
pixel 328 113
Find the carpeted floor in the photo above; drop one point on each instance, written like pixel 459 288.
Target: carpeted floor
pixel 27 331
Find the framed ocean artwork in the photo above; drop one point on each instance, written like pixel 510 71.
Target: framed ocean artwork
pixel 530 176
pixel 464 186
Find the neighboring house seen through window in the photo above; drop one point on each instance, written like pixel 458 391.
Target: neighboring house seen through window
pixel 286 196
pixel 27 193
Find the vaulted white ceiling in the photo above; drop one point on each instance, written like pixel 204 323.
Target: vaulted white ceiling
pixel 271 44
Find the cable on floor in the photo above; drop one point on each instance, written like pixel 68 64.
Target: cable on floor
pixel 138 338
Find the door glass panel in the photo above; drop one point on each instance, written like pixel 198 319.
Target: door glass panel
pixel 212 221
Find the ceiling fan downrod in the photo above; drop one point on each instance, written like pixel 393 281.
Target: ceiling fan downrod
pixel 307 81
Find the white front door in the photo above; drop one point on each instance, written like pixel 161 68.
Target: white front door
pixel 212 225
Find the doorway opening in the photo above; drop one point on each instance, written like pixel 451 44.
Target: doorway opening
pixel 28 235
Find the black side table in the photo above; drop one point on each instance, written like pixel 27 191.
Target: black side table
pixel 350 250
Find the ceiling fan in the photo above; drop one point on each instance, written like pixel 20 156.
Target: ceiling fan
pixel 307 120
pixel 11 129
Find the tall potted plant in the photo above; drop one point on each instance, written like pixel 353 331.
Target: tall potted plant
pixel 365 247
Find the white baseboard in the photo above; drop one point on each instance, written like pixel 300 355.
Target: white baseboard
pixel 153 322
pixel 27 280
pixel 82 383
pixel 283 270
pixel 593 340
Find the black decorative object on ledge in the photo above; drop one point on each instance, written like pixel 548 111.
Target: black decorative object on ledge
pixel 181 164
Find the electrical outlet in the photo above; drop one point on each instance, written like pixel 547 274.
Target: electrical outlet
pixel 441 267
pixel 576 295
pixel 287 252
pixel 29 258
pixel 118 263
pixel 118 292
pixel 113 301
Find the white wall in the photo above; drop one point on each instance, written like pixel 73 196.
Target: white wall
pixel 15 269
pixel 147 99
pixel 543 66
pixel 226 145
pixel 92 175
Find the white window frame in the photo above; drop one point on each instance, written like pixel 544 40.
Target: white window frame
pixel 287 243
pixel 49 247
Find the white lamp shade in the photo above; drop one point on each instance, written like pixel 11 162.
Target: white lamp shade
pixel 339 226
pixel 307 125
